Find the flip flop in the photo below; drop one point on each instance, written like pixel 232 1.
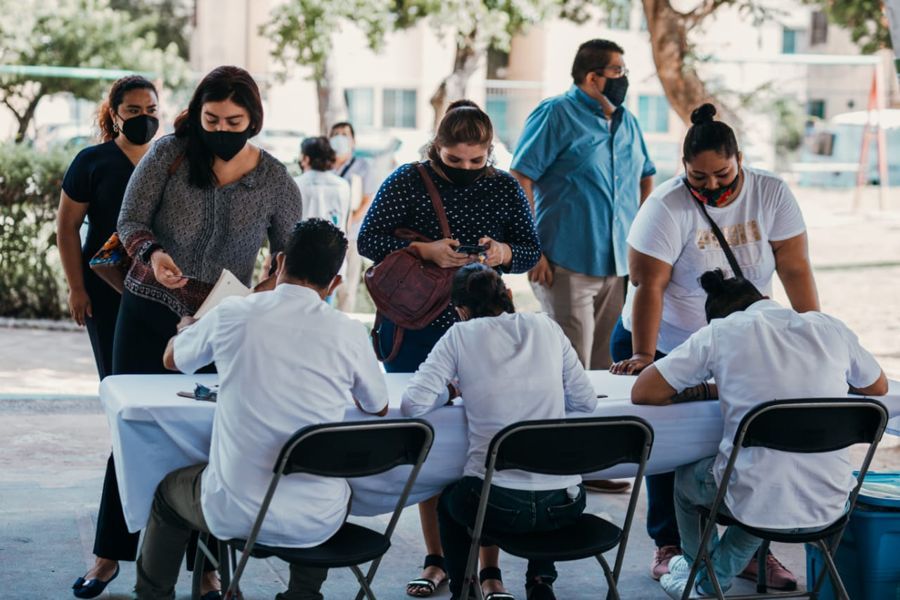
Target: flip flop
pixel 91 588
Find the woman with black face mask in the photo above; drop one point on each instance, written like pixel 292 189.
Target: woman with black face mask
pixel 489 221
pixel 93 187
pixel 676 237
pixel 201 200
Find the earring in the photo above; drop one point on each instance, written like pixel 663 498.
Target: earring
pixel 115 127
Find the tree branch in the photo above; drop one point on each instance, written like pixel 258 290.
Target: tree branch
pixel 701 12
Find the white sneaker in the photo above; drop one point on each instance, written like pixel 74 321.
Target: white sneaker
pixel 673 585
pixel 679 567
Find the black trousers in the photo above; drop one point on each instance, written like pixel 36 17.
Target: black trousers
pixel 101 327
pixel 142 331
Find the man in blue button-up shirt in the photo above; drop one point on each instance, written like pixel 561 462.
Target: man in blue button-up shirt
pixel 584 165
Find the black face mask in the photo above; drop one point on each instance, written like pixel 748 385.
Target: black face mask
pixel 462 177
pixel 717 197
pixel 615 90
pixel 140 130
pixel 225 144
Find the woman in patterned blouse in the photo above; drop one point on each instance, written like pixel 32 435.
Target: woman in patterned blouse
pixel 484 206
pixel 200 201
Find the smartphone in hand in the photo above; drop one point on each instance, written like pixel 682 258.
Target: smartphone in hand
pixel 471 249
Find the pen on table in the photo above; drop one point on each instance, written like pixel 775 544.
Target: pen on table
pixel 188 277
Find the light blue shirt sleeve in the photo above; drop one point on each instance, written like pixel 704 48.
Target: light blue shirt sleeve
pixel 649 169
pixel 537 148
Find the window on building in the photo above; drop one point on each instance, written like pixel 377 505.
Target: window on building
pixel 361 106
pixel 789 40
pixel 816 108
pixel 399 108
pixel 620 14
pixel 653 113
pixel 819 28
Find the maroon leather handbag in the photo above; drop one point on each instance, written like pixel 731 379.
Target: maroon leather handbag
pixel 408 290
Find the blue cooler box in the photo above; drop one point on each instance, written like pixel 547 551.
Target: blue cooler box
pixel 868 558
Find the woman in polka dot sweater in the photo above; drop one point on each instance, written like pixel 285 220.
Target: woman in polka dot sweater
pixel 484 206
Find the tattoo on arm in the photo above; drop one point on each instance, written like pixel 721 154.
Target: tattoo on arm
pixel 693 394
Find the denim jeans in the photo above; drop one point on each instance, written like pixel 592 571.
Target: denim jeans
pixel 508 510
pixel 695 486
pixel 662 526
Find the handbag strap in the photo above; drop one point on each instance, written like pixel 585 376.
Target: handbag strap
pixel 732 261
pixel 435 200
pixel 175 164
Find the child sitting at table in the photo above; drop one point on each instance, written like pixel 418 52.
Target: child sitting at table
pixel 757 351
pixel 508 367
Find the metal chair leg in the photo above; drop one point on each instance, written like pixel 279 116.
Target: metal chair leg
pixel 761 556
pixel 224 565
pixel 833 572
pixel 712 576
pixel 197 578
pixel 362 582
pixel 613 593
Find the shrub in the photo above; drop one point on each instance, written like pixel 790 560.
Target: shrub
pixel 31 279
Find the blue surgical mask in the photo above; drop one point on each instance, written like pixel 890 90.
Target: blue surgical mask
pixel 341 144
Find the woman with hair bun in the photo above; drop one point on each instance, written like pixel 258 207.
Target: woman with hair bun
pixel 540 378
pixel 676 237
pixel 484 207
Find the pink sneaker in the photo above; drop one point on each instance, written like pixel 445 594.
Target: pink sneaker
pixel 661 558
pixel 778 577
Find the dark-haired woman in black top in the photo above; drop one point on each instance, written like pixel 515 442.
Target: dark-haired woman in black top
pixel 93 187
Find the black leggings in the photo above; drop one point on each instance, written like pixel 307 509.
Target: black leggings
pixel 143 329
pixel 101 327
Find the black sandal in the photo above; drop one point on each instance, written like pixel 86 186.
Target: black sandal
pixel 427 587
pixel 493 573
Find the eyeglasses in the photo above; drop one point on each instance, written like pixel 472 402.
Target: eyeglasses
pixel 612 71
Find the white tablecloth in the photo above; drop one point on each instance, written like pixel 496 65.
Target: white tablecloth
pixel 154 432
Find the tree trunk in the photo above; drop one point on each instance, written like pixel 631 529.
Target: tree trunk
pixel 25 117
pixel 330 98
pixel 454 86
pixel 684 89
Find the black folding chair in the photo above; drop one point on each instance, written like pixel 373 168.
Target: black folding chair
pixel 806 426
pixel 564 447
pixel 345 450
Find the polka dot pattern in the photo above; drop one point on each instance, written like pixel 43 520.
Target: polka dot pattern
pixel 494 206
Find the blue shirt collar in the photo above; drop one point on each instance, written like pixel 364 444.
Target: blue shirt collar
pixel 578 95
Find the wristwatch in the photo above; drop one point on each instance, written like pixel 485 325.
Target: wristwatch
pixel 147 252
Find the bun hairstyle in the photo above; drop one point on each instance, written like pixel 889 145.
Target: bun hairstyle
pixel 725 296
pixel 114 100
pixel 708 134
pixel 319 152
pixel 463 123
pixel 222 83
pixel 481 291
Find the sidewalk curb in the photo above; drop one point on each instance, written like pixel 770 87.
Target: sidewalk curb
pixel 40 324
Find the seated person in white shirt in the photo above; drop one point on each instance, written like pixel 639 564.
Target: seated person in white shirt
pixel 757 351
pixel 508 367
pixel 269 388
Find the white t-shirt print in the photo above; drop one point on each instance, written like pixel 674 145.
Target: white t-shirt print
pixel 671 227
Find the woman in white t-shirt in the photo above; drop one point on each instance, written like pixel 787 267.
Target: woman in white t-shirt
pixel 509 367
pixel 672 243
pixel 325 194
